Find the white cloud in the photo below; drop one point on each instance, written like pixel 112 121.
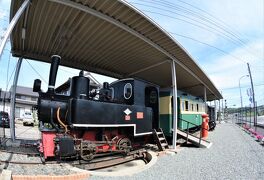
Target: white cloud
pixel 225 71
pixel 242 15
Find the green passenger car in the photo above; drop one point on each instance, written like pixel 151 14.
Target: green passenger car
pixel 189 108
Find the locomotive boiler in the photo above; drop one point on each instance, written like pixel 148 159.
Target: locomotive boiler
pixel 82 124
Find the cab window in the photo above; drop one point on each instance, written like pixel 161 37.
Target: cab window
pixel 127 91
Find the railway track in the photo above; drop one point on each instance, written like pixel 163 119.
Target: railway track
pixel 108 161
pixel 101 161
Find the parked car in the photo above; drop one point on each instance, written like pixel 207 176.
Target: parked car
pixel 28 119
pixel 4 119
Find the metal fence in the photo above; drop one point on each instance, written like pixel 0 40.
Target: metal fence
pixel 2 134
pixel 246 116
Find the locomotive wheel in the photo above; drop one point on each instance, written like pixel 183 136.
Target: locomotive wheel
pixel 87 151
pixel 87 156
pixel 124 144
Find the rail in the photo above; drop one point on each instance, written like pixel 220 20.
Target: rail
pixel 99 162
pixel 188 130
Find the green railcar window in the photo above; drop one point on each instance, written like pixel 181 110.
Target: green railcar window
pixel 186 106
pixel 182 106
pixel 197 107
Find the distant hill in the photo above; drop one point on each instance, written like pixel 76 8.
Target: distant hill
pixel 260 110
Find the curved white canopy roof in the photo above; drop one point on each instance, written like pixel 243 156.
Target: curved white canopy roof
pixel 106 37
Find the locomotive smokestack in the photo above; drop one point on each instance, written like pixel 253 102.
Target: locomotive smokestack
pixel 55 61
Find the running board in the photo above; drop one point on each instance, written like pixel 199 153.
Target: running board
pixel 194 140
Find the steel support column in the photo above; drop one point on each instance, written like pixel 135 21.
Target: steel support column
pixel 223 109
pixel 13 100
pixel 253 95
pixel 219 110
pixel 205 100
pixel 12 24
pixel 215 112
pixel 174 110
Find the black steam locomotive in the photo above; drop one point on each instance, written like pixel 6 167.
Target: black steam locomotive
pixel 118 117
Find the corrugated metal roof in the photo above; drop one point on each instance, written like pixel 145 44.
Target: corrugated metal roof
pixel 106 37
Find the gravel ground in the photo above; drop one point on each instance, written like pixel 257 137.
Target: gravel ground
pixel 51 169
pixel 233 155
pixel 38 169
pixel 240 157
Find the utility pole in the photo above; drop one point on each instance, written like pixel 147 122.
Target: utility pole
pixel 219 111
pixel 253 95
pixel 223 109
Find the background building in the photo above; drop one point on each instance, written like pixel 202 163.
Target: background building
pixel 26 99
pixel 5 98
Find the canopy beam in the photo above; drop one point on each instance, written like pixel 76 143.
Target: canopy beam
pixel 12 24
pixel 13 100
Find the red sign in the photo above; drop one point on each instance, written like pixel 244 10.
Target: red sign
pixel 127 118
pixel 140 115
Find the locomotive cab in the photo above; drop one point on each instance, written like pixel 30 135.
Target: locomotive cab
pixel 138 93
pixel 124 103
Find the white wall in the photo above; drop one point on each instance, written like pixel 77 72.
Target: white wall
pixel 7 107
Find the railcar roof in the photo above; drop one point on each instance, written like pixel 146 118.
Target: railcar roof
pixel 107 37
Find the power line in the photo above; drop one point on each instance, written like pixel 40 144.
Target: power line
pixel 190 37
pixel 37 72
pixel 225 52
pixel 214 17
pixel 221 50
pixel 224 24
pixel 195 39
pixel 242 87
pixel 220 32
pixel 67 71
pixel 235 38
pixel 10 78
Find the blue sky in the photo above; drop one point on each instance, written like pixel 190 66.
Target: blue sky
pixel 233 31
